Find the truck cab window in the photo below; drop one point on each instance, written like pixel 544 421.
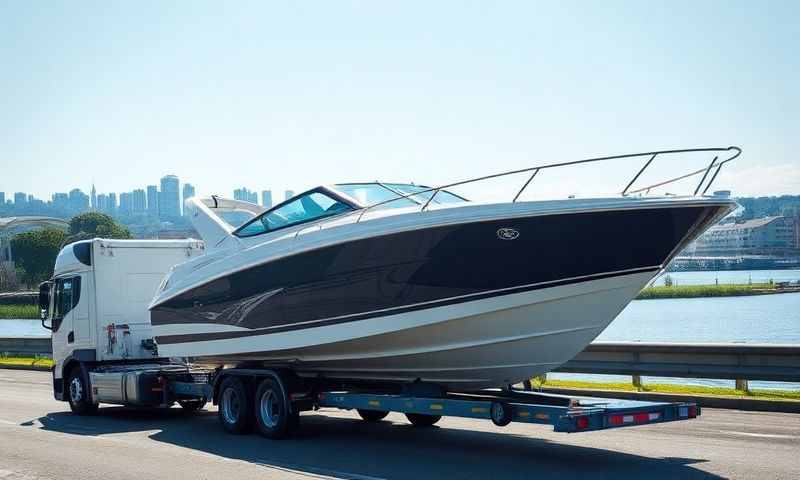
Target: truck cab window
pixel 67 296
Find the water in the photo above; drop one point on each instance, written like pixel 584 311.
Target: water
pixel 13 328
pixel 730 276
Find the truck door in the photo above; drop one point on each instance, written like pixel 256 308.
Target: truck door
pixel 66 297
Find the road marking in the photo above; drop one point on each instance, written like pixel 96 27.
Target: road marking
pixel 314 472
pixel 761 435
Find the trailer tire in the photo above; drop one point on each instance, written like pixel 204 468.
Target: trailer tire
pixel 422 420
pixel 193 405
pixel 500 413
pixel 372 415
pixel 235 407
pixel 78 392
pixel 271 407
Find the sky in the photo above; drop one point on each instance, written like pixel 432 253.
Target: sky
pixel 289 95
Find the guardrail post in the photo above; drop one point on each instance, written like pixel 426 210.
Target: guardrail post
pixel 637 381
pixel 741 384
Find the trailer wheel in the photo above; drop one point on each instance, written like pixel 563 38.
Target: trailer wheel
pixel 422 420
pixel 273 418
pixel 192 405
pixel 78 393
pixel 372 415
pixel 500 413
pixel 235 411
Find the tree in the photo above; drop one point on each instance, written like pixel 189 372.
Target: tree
pixel 94 224
pixel 35 253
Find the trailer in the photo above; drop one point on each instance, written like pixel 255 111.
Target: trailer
pixel 104 353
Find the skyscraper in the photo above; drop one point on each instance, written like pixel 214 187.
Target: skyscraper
pixel 112 204
pixel 245 195
pixel 125 203
pixel 2 198
pixel 188 192
pixel 169 203
pixel 152 200
pixel 20 199
pixel 78 201
pixel 289 194
pixel 101 203
pixel 94 197
pixel 266 198
pixel 61 201
pixel 139 201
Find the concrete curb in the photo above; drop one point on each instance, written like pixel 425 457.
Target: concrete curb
pixel 732 403
pixel 38 368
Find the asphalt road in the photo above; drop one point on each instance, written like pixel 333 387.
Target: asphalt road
pixel 40 439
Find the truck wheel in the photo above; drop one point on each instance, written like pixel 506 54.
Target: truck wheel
pixel 192 405
pixel 422 420
pixel 78 393
pixel 272 411
pixel 372 415
pixel 235 410
pixel 500 413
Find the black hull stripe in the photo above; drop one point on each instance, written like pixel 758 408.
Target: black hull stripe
pixel 199 337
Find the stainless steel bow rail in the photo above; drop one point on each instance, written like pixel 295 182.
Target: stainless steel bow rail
pixel 729 153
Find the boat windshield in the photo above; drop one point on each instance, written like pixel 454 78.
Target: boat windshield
pixel 371 193
pixel 302 209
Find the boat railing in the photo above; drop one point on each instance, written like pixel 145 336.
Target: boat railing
pixel 729 153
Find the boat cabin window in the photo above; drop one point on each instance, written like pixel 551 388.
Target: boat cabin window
pixel 302 209
pixel 375 193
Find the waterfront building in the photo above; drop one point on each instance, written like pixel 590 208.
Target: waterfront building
pixel 169 202
pixel 776 235
pixel 2 198
pixel 152 200
pixel 188 192
pixel 266 198
pixel 60 201
pixel 112 203
pixel 139 201
pixel 245 195
pixel 288 194
pixel 20 199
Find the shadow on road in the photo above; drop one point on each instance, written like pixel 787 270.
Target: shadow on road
pixel 350 448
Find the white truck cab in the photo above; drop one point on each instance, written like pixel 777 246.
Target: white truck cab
pixel 96 303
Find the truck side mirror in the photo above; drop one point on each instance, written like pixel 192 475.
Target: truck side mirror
pixel 44 302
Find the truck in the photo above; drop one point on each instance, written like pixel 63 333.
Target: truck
pixel 104 352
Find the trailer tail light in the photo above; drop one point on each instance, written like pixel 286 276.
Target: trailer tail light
pixel 582 422
pixel 693 411
pixel 636 418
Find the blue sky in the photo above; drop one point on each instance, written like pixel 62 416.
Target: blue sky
pixel 293 94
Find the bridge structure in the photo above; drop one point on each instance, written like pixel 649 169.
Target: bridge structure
pixel 10 226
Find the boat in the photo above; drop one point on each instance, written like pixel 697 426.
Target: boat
pixel 397 282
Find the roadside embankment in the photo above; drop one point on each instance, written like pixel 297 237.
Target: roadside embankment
pixel 19 312
pixel 26 363
pixel 700 291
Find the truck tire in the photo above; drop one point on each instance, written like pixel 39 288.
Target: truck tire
pixel 372 415
pixel 422 420
pixel 235 408
pixel 273 418
pixel 500 413
pixel 78 392
pixel 192 405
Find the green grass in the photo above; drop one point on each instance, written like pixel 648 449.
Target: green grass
pixel 26 361
pixel 19 311
pixel 668 388
pixel 698 291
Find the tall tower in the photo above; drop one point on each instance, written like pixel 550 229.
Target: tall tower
pixel 152 200
pixel 266 198
pixel 94 197
pixel 188 192
pixel 169 203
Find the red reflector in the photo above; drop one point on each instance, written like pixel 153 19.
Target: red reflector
pixel 692 411
pixel 615 420
pixel 583 422
pixel 641 417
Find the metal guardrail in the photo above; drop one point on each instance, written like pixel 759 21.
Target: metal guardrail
pixel 767 362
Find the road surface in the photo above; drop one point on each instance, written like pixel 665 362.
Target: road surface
pixel 40 439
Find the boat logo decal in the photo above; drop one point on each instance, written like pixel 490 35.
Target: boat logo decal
pixel 507 234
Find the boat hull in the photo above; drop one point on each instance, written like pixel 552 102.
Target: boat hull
pixel 469 304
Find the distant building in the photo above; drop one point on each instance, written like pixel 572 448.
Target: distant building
pixel 125 204
pixel 61 201
pixel 20 199
pixel 288 194
pixel 101 203
pixel 152 200
pixel 188 192
pixel 169 202
pixel 2 198
pixel 112 204
pixel 266 198
pixel 761 236
pixel 245 195
pixel 78 201
pixel 94 198
pixel 139 201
